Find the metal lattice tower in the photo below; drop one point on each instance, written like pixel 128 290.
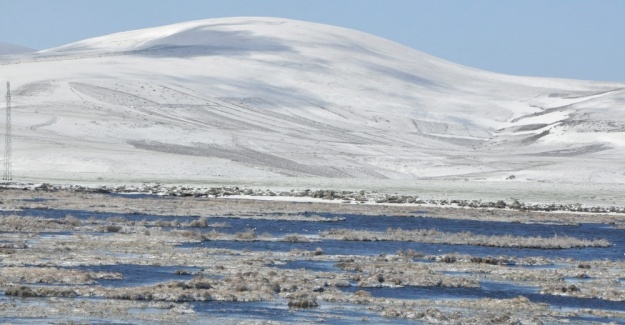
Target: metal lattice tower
pixel 8 172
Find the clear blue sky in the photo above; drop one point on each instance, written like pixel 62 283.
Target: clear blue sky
pixel 556 38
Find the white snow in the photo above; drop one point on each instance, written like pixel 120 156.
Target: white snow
pixel 274 101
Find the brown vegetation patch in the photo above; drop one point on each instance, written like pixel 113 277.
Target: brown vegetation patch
pixel 52 275
pixel 433 236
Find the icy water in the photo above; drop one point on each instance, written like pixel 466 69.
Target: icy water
pixel 336 247
pixel 325 314
pixel 281 228
pixel 491 290
pixel 142 275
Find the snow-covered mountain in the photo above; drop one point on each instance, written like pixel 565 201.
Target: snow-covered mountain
pixel 9 49
pixel 270 100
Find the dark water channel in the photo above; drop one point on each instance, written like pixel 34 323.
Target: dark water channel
pixel 281 228
pixel 336 247
pixel 326 313
pixel 491 290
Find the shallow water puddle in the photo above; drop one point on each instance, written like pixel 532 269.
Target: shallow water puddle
pixel 493 290
pixel 140 275
pixel 576 280
pixel 279 311
pixel 595 319
pixel 85 215
pixel 319 266
pixel 370 248
pixel 487 290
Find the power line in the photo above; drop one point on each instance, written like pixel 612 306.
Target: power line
pixel 8 152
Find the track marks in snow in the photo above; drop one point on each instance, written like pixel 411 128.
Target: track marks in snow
pixel 572 152
pixel 52 120
pixel 334 134
pixel 36 89
pixel 430 127
pixel 229 114
pixel 245 156
pixel 111 96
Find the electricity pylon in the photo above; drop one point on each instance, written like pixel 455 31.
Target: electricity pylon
pixel 7 139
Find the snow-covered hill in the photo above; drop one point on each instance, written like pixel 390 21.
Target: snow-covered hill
pixel 9 49
pixel 270 101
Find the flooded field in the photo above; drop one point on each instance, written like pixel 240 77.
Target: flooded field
pixel 142 259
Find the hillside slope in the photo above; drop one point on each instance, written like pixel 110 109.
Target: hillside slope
pixel 268 100
pixel 10 49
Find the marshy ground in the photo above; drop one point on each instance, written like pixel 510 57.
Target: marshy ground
pixel 92 258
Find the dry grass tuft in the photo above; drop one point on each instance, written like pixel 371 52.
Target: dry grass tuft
pixel 433 236
pixel 302 300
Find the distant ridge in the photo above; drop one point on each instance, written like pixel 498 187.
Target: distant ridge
pixel 7 49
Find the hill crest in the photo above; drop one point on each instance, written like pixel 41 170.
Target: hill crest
pixel 270 98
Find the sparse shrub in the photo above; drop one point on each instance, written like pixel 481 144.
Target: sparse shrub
pixel 361 297
pixel 113 228
pixel 212 234
pixel 241 288
pixel 265 235
pixel 116 220
pixel 72 221
pixel 201 222
pixel 248 234
pixel 302 300
pixel 582 276
pixel 491 260
pixel 201 283
pixel 569 289
pixel 24 291
pixel 21 291
pixel 319 289
pixel 410 253
pixel 463 238
pixel 293 239
pixel 448 259
pixel 182 272
pixel 191 234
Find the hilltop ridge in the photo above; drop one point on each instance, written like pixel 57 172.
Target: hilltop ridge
pixel 270 100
